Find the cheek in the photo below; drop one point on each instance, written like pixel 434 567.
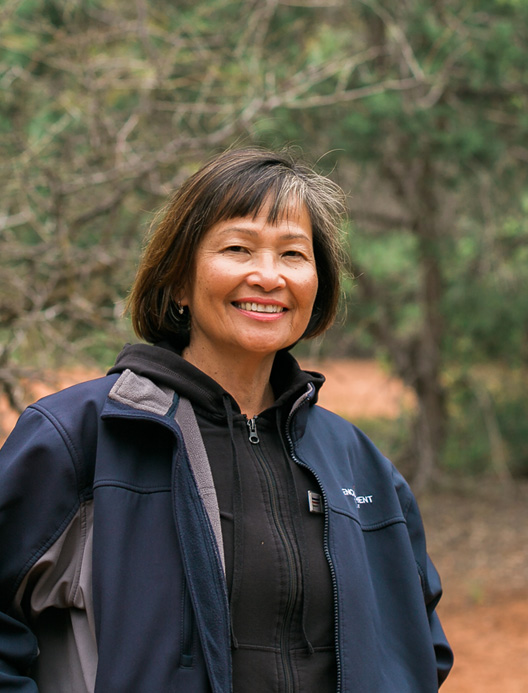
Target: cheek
pixel 215 280
pixel 310 287
pixel 212 284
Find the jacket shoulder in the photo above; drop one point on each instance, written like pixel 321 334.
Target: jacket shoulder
pixel 72 409
pixel 63 427
pixel 87 393
pixel 332 428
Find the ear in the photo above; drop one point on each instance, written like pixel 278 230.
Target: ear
pixel 180 296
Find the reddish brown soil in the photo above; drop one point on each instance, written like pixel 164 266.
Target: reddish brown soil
pixel 478 540
pixel 31 391
pixel 360 389
pixel 477 537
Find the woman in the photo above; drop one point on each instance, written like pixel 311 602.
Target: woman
pixel 193 521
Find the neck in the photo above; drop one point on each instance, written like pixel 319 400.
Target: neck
pixel 247 380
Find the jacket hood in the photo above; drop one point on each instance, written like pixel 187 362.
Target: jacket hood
pixel 162 364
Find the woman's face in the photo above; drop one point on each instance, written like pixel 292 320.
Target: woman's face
pixel 254 286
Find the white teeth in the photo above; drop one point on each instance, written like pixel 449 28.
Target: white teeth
pixel 260 307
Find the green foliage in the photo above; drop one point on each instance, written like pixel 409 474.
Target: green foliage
pixel 419 109
pixel 486 305
pixel 489 427
pixel 391 261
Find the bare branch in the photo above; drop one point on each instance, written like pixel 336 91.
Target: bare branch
pixel 345 96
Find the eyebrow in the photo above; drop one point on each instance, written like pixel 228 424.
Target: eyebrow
pixel 288 235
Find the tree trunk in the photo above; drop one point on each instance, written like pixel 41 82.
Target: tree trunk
pixel 419 360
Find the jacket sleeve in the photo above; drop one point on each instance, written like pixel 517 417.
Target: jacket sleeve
pixel 429 577
pixel 38 496
pixel 18 649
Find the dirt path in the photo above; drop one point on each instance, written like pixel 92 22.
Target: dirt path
pixel 478 540
pixel 490 642
pixel 477 537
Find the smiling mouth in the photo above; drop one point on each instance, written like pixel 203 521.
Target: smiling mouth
pixel 260 307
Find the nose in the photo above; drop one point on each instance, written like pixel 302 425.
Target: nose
pixel 266 273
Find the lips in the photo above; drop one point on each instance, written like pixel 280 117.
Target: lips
pixel 259 307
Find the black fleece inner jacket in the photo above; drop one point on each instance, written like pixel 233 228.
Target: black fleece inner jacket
pixel 278 577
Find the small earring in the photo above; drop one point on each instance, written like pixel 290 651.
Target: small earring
pixel 179 307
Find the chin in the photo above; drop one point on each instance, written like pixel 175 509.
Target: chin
pixel 263 349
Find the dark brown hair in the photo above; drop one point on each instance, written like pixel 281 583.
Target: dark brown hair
pixel 237 183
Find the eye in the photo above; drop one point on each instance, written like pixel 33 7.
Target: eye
pixel 235 249
pixel 293 253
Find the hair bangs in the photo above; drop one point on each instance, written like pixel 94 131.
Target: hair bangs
pixel 278 194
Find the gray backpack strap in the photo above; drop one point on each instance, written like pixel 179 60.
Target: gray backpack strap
pixel 192 437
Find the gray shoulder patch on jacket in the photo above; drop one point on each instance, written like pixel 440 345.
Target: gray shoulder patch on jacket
pixel 141 393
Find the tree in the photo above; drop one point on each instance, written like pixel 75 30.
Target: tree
pixel 106 107
pixel 418 108
pixel 426 157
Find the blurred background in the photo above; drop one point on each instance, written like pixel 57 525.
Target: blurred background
pixel 419 110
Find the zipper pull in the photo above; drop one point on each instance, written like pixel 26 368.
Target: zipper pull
pixel 253 435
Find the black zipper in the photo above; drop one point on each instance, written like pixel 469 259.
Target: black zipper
pixel 294 457
pixel 291 562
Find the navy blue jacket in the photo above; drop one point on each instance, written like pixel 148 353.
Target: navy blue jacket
pixel 111 576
